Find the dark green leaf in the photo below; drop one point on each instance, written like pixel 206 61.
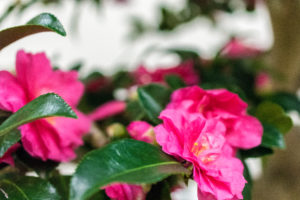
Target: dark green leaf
pixel 134 111
pixel 174 81
pixel 273 114
pixel 272 137
pixel 42 23
pixel 248 187
pixel 153 98
pixel 8 140
pixel 61 183
pixel 287 101
pixel 128 161
pixel 46 105
pixel 256 152
pixel 27 188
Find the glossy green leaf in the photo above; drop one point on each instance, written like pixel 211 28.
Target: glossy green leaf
pixel 153 98
pixel 8 140
pixel 126 160
pixel 46 105
pixel 44 22
pixel 272 137
pixel 27 188
pixel 273 114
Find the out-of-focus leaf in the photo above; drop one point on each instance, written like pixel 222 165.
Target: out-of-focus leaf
pixel 46 105
pixel 272 137
pixel 42 23
pixel 174 81
pixel 127 160
pixel 256 152
pixel 153 99
pixel 287 101
pixel 273 114
pixel 61 183
pixel 27 188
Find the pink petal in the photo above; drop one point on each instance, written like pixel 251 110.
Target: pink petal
pixel 12 96
pixel 107 110
pixel 140 130
pixel 246 133
pixel 7 158
pixel 119 191
pixel 32 71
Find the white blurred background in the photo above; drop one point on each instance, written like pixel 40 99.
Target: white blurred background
pixel 101 40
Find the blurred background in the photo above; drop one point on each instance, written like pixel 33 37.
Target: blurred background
pixel 117 34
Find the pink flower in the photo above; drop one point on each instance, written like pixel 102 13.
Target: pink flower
pixel 52 138
pixel 125 192
pixel 185 71
pixel 236 49
pixel 242 131
pixel 201 142
pixel 263 83
pixel 140 130
pixel 7 158
pixel 107 110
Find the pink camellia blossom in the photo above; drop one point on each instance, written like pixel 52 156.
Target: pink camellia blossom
pixel 237 49
pixel 107 110
pixel 185 71
pixel 242 130
pixel 120 191
pixel 7 158
pixel 52 138
pixel 201 142
pixel 140 130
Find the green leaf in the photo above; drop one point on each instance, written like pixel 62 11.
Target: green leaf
pixel 44 22
pixel 272 137
pixel 287 101
pixel 273 114
pixel 46 105
pixel 256 152
pixel 27 188
pixel 247 195
pixel 153 98
pixel 8 140
pixel 127 160
pixel 61 183
pixel 174 81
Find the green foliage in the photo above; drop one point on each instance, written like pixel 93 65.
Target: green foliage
pixel 27 188
pixel 174 81
pixel 44 22
pixel 128 161
pixel 153 99
pixel 272 137
pixel 273 114
pixel 46 105
pixel 9 140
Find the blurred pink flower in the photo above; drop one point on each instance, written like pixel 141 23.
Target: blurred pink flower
pixel 242 130
pixel 7 158
pixel 201 142
pixel 184 70
pixel 107 110
pixel 125 192
pixel 263 83
pixel 140 130
pixel 52 138
pixel 236 49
